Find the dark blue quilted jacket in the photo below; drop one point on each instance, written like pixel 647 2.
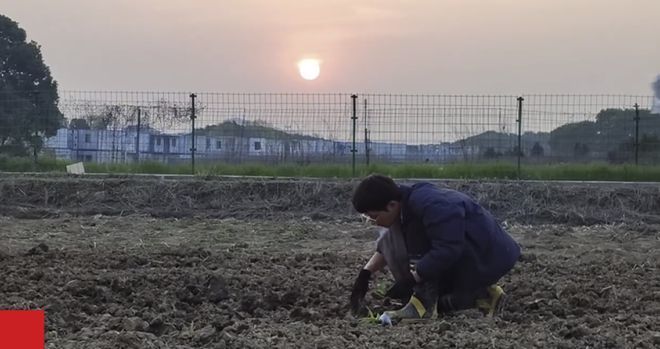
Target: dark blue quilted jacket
pixel 453 238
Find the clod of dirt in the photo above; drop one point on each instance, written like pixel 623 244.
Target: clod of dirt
pixel 217 289
pixel 90 332
pixel 134 324
pixel 527 257
pixel 205 334
pixel 250 303
pixel 36 250
pixel 303 314
pixel 132 340
pixel 156 326
pixel 444 326
pixel 79 288
pixel 37 275
pixel 135 261
pixel 656 338
pixel 575 332
pixel 290 297
pixel 580 301
pixel 319 216
pixel 271 301
pixel 190 294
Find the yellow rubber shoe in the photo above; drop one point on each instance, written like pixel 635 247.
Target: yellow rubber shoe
pixel 422 306
pixel 494 304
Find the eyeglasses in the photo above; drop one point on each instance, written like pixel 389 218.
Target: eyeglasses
pixel 366 219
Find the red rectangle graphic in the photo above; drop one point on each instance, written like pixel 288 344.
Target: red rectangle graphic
pixel 22 329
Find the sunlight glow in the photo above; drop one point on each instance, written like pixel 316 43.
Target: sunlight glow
pixel 309 68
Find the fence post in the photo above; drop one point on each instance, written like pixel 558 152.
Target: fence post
pixel 366 133
pixel 137 141
pixel 354 117
pixel 636 134
pixel 192 118
pixel 519 121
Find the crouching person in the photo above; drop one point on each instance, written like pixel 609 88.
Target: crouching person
pixel 445 251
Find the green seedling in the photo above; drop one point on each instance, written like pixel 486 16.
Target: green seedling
pixel 381 289
pixel 371 318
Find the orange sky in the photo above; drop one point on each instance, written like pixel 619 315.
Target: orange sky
pixel 421 46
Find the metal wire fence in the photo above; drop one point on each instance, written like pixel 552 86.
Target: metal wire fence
pixel 121 127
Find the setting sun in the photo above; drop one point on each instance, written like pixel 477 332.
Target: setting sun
pixel 309 68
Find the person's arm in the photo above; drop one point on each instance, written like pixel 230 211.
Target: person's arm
pixel 361 285
pixel 444 224
pixel 447 239
pixel 375 263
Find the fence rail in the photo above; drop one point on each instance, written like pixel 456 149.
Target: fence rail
pixel 306 128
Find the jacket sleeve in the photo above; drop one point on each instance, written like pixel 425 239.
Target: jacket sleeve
pixel 445 228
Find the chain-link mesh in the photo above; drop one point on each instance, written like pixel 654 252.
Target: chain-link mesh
pixel 120 127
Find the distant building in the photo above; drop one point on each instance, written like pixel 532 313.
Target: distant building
pixel 125 145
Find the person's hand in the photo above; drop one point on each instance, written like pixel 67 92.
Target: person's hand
pixel 416 276
pixel 401 290
pixel 360 288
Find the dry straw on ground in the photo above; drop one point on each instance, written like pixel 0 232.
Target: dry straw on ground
pixel 183 197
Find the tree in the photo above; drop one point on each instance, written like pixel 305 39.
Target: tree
pixel 580 150
pixel 564 139
pixel 490 153
pixel 611 128
pixel 79 124
pixel 28 93
pixel 537 150
pixel 649 149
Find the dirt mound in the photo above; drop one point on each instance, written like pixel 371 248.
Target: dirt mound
pixel 572 203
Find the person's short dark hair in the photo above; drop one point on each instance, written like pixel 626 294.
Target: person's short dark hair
pixel 374 193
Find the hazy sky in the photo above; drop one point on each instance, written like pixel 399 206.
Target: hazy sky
pixel 420 46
